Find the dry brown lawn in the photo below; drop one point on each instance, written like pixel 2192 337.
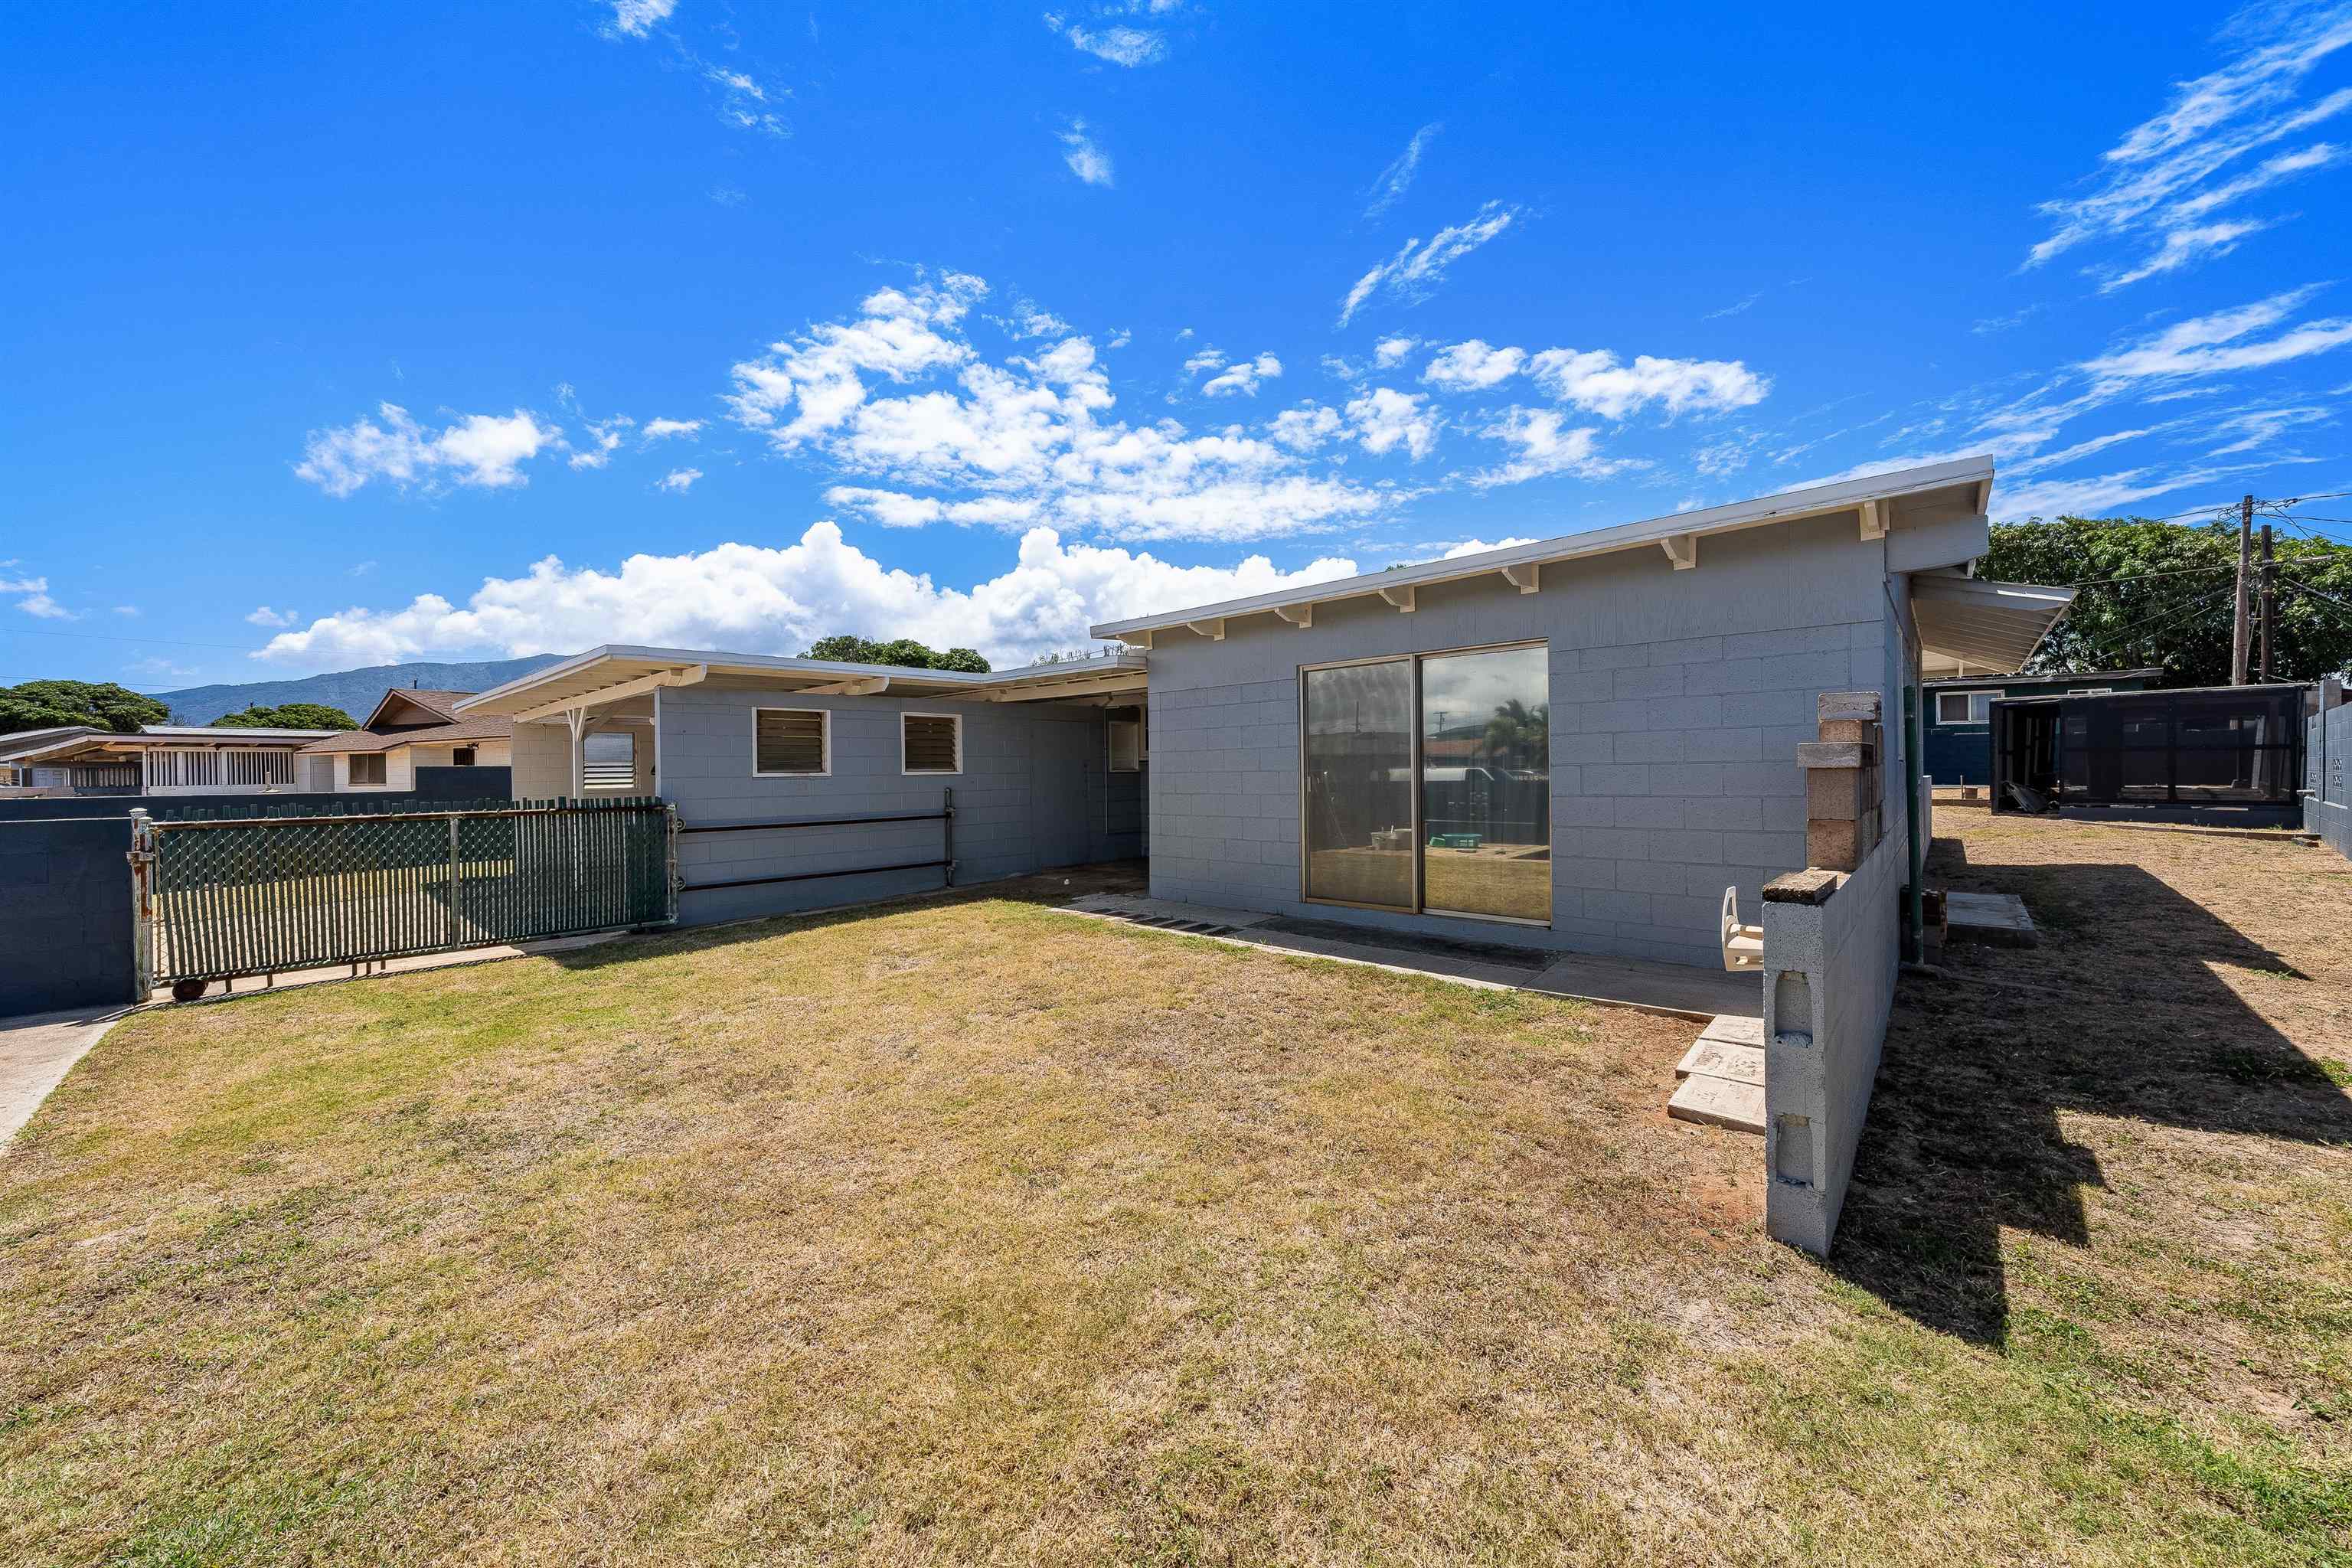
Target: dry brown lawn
pixel 972 1231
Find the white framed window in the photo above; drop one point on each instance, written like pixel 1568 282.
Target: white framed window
pixel 1964 707
pixel 2089 690
pixel 1124 739
pixel 792 742
pixel 367 770
pixel 931 742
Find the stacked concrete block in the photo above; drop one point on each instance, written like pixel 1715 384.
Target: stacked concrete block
pixel 1843 774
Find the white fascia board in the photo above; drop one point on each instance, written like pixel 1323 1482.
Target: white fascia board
pixel 1787 507
pixel 1983 591
pixel 613 663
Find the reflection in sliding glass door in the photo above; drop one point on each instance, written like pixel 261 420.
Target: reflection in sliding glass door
pixel 1357 800
pixel 1486 783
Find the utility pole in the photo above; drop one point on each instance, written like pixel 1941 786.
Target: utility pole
pixel 2270 602
pixel 2238 628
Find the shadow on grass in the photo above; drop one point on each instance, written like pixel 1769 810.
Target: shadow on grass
pixel 2120 1012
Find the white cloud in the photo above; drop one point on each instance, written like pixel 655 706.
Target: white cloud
pixel 737 82
pixel 1473 365
pixel 1030 440
pixel 2159 179
pixel 1480 547
pixel 1417 269
pixel 636 19
pixel 659 430
pixel 1390 353
pixel 2183 247
pixel 481 449
pixel 1243 377
pixel 35 601
pixel 1030 319
pixel 1086 161
pixel 1308 426
pixel 1739 309
pixel 1120 45
pixel 2256 428
pixel 1207 359
pixel 2099 494
pixel 604 438
pixel 1386 419
pixel 1593 379
pixel 1545 446
pixel 1398 176
pixel 264 615
pixel 746 598
pixel 2208 345
pixel 132 610
pixel 678 481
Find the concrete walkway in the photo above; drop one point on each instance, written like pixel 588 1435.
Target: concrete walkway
pixel 37 1051
pixel 1675 989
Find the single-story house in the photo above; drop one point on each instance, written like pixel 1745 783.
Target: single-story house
pixel 1579 743
pixel 166 759
pixel 408 729
pixel 25 742
pixel 1959 713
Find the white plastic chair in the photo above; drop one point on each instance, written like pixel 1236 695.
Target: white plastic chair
pixel 1743 946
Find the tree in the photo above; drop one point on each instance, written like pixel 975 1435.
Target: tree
pixel 288 716
pixel 50 704
pixel 904 653
pixel 1515 732
pixel 2157 594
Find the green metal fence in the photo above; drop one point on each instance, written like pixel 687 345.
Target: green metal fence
pixel 311 886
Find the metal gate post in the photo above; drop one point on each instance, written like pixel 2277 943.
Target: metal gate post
pixel 143 905
pixel 453 874
pixel 676 879
pixel 947 852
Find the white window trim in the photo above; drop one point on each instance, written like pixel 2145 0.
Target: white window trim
pixel 824 739
pixel 1142 746
pixel 1986 693
pixel 906 772
pixel 2090 690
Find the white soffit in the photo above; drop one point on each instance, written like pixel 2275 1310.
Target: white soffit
pixel 1678 535
pixel 614 673
pixel 1992 628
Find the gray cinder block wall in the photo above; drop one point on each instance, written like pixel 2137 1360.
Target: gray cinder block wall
pixel 1677 700
pixel 1829 970
pixel 1036 793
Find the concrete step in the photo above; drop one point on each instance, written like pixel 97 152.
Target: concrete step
pixel 1719 1102
pixel 1998 919
pixel 1735 1030
pixel 1720 1059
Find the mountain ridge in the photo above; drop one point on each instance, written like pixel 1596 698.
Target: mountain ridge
pixel 355 691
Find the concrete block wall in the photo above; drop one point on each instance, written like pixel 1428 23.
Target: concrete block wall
pixel 1035 793
pixel 65 913
pixel 1677 699
pixel 541 769
pixel 1828 986
pixel 2327 763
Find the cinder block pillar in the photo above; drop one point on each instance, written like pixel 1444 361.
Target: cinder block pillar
pixel 1800 1206
pixel 1843 801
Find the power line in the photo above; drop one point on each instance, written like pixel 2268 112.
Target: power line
pixel 2166 615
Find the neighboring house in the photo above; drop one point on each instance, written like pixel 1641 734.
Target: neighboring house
pixel 1959 713
pixel 166 759
pixel 408 730
pixel 1578 743
pixel 25 742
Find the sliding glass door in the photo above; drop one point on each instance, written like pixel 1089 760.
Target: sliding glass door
pixel 1358 721
pixel 1428 784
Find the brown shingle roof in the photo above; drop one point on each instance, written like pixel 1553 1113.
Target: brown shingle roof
pixel 422 735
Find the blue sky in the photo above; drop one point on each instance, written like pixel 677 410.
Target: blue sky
pixel 341 335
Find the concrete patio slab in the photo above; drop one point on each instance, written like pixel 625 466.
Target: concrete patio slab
pixel 1673 988
pixel 1998 919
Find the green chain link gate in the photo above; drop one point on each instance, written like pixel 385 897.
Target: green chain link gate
pixel 225 898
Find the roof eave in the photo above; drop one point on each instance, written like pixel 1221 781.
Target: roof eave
pixel 1789 506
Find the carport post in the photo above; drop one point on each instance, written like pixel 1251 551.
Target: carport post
pixel 1914 903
